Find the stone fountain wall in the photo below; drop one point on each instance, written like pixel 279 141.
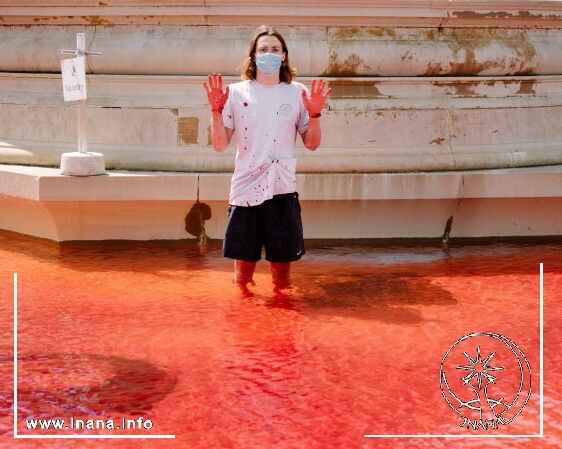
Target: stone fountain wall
pixel 446 87
pixel 417 85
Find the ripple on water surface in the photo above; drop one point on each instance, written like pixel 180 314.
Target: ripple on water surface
pixel 354 348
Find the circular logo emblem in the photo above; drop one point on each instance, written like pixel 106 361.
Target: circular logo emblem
pixel 486 379
pixel 285 109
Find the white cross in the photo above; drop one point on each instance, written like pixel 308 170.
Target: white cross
pixel 81 52
pixel 81 47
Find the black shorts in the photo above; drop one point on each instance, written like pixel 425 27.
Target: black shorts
pixel 275 224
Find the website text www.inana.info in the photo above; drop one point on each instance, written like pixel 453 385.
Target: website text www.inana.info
pixel 89 424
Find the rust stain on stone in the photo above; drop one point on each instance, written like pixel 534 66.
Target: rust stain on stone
pixel 209 135
pixel 347 88
pixel 529 71
pixel 438 140
pixel 471 50
pixel 431 34
pixel 433 68
pixel 457 88
pixel 464 61
pixel 481 15
pixel 407 56
pixel 188 130
pixel 96 20
pixel 378 92
pixel 525 56
pixel 527 87
pixel 344 32
pixel 383 31
pixel 174 111
pixel 470 64
pixel 347 32
pixel 347 67
pixel 470 56
pixel 529 15
pixel 502 15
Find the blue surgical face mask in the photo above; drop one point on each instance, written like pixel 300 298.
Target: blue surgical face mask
pixel 268 63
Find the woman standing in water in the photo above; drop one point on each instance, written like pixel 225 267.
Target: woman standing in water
pixel 265 112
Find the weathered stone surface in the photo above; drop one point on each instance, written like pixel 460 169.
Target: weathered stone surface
pixel 333 51
pixel 369 125
pixel 147 205
pixel 417 85
pixel 82 164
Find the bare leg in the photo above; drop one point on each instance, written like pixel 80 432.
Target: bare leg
pixel 280 274
pixel 244 273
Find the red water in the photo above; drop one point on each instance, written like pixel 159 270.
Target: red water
pixel 161 333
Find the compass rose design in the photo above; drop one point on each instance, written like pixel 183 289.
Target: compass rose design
pixel 479 368
pixel 482 392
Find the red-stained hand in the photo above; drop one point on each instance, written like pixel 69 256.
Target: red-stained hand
pixel 315 102
pixel 217 98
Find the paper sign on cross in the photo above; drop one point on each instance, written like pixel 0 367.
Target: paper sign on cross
pixel 74 79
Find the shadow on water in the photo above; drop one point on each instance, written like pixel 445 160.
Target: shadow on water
pixel 385 297
pixel 127 386
pixel 392 284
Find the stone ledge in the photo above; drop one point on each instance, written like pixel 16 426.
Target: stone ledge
pixel 143 206
pixel 254 12
pixel 403 124
pixel 348 93
pixel 335 51
pixel 48 185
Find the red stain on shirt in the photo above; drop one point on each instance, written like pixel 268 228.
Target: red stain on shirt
pixel 245 103
pixel 229 116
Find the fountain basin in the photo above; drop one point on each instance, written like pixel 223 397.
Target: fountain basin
pixel 125 205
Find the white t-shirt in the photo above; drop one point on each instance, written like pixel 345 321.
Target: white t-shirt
pixel 266 120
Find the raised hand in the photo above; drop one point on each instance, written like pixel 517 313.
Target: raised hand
pixel 315 102
pixel 215 95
